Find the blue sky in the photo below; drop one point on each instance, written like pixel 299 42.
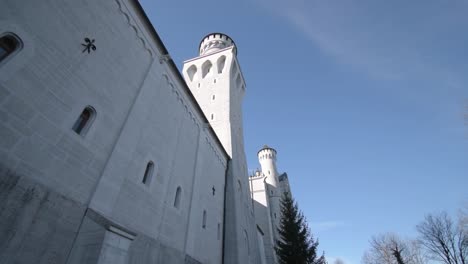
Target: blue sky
pixel 363 100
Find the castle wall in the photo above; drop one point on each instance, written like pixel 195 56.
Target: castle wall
pixel 63 193
pixel 263 217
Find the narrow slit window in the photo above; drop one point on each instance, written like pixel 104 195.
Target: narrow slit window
pixel 148 173
pixel 177 197
pixel 246 239
pixel 9 44
pixel 204 220
pixel 84 121
pixel 212 116
pixel 219 231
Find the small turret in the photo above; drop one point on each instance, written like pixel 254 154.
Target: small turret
pixel 267 159
pixel 214 42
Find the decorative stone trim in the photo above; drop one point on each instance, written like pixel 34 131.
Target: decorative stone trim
pixel 121 232
pixel 125 12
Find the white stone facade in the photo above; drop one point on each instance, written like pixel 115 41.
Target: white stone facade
pixel 113 155
pixel 267 187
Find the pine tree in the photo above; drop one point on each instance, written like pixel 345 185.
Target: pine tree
pixel 296 244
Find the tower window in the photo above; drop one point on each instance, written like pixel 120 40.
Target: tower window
pixel 212 116
pixel 204 219
pixel 221 62
pixel 9 44
pixel 177 197
pixel 213 97
pixel 148 173
pixel 191 71
pixel 206 68
pixel 219 231
pixel 84 121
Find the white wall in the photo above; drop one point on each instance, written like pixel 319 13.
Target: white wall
pixel 224 113
pixel 143 110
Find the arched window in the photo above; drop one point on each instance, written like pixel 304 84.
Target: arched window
pixel 148 173
pixel 84 121
pixel 221 61
pixel 178 195
pixel 204 219
pixel 9 44
pixel 206 68
pixel 191 71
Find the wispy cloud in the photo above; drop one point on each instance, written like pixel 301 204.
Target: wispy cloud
pixel 384 38
pixel 326 225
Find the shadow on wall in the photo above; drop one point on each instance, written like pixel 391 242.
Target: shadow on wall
pixel 36 224
pixel 40 226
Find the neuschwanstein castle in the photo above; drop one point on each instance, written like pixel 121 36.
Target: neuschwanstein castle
pixel 111 155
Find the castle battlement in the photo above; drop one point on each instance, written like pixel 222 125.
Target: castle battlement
pixel 214 42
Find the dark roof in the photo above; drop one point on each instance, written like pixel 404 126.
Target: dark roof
pixel 283 177
pixel 266 147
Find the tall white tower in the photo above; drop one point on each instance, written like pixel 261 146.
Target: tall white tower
pixel 267 159
pixel 216 81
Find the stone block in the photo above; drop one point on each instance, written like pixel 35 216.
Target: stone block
pixel 3 117
pixel 4 93
pixel 30 151
pixel 19 108
pixel 45 128
pixel 74 148
pixel 19 125
pixel 7 161
pixel 37 225
pixel 8 137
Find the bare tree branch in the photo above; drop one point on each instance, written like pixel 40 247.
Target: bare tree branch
pixel 390 249
pixel 444 241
